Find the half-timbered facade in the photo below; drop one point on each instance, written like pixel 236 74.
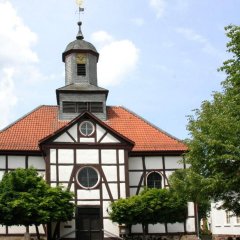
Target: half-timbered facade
pixel 102 153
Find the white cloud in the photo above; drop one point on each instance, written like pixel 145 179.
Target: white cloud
pixel 8 98
pixel 16 39
pixel 16 57
pixel 159 7
pixel 117 59
pixel 191 35
pixel 101 37
pixel 138 21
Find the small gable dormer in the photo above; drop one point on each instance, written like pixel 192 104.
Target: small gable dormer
pixel 81 92
pixel 87 129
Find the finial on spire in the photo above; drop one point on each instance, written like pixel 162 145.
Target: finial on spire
pixel 80 35
pixel 80 9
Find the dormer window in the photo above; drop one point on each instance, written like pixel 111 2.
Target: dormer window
pixel 81 69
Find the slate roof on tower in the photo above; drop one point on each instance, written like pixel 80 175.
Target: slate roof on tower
pixel 25 133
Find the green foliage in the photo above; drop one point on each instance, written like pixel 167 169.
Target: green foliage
pixel 26 199
pixel 215 131
pixel 150 207
pixel 193 187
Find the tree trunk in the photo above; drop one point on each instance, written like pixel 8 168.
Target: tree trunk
pixel 37 231
pixel 197 220
pixel 56 230
pixel 27 236
pixel 144 228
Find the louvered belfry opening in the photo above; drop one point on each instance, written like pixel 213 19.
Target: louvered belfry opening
pixel 81 69
pixel 78 107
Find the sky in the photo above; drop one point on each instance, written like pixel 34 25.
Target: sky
pixel 158 58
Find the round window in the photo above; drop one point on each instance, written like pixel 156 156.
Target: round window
pixel 86 128
pixel 88 177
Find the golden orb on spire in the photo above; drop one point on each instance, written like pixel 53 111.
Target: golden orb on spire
pixel 79 3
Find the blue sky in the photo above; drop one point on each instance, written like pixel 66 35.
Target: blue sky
pixel 158 58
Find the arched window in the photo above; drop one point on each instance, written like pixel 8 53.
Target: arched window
pixel 154 180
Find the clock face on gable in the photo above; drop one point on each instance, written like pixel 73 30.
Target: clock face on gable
pixel 81 58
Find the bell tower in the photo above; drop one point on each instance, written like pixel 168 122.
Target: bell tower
pixel 81 92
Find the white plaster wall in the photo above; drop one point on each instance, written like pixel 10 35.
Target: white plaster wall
pixel 105 192
pixel 87 140
pixel 121 156
pixel 32 229
pixel 133 191
pixel 190 225
pixel 2 229
pixel 53 173
pixel 88 194
pixel 110 227
pixel 65 156
pixel 173 162
pixel 190 209
pixel 73 131
pixel 64 231
pixel 110 172
pixel 134 178
pixel 100 132
pixel 219 224
pixel 36 162
pixel 153 162
pixel 91 203
pixel 16 162
pixel 53 155
pixel 87 156
pixel 122 173
pixel 109 156
pixel 122 190
pixel 168 173
pixel 65 172
pixel 105 208
pixel 137 228
pixel 2 161
pixel 156 228
pixel 1 174
pixel 109 139
pixel 114 190
pixel 16 229
pixel 64 138
pixel 135 163
pixel 175 227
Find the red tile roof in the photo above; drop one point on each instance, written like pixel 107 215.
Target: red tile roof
pixel 25 134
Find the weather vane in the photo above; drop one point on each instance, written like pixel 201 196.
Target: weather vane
pixel 80 8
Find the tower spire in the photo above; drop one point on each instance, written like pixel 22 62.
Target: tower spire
pixel 80 9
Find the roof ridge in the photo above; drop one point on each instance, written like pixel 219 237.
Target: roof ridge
pixel 24 116
pixel 151 124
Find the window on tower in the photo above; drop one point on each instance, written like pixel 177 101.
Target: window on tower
pixel 78 107
pixel 81 69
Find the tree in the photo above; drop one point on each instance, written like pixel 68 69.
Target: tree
pixel 193 187
pixel 151 206
pixel 214 147
pixel 26 199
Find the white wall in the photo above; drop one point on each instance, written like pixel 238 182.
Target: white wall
pixel 219 224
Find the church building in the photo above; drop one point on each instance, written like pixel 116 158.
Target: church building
pixel 100 152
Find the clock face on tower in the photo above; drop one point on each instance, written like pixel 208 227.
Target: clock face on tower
pixel 81 58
